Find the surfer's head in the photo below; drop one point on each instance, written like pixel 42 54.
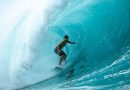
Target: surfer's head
pixel 66 36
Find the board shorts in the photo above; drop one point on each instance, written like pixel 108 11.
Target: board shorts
pixel 59 51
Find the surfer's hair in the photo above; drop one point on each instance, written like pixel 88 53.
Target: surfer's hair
pixel 66 36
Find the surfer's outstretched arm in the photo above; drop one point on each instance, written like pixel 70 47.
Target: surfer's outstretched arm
pixel 71 42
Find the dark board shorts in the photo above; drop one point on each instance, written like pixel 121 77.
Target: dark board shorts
pixel 59 52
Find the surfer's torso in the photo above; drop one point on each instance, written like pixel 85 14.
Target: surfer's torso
pixel 62 44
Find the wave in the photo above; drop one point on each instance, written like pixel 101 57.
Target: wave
pixel 100 59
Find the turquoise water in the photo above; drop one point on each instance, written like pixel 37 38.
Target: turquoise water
pixel 100 59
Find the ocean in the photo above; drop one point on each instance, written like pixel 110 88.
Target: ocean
pixel 31 29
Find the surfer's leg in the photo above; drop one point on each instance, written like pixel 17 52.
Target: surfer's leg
pixel 63 57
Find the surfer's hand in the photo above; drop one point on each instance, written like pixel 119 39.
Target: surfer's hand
pixel 73 42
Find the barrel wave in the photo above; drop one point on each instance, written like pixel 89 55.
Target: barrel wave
pixel 30 30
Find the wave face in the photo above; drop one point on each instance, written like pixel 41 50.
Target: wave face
pixel 100 59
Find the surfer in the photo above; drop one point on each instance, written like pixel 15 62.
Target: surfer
pixel 58 50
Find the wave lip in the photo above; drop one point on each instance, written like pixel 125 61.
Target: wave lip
pixel 25 57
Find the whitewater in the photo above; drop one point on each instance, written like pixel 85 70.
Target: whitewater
pixel 30 30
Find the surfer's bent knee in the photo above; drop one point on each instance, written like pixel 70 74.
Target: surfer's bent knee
pixel 57 50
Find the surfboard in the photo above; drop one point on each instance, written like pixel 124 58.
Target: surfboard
pixel 59 68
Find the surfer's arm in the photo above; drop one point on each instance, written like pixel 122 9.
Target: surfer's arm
pixel 71 42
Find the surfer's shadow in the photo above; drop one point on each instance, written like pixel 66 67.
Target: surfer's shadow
pixel 72 72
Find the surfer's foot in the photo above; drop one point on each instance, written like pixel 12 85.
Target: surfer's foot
pixel 60 63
